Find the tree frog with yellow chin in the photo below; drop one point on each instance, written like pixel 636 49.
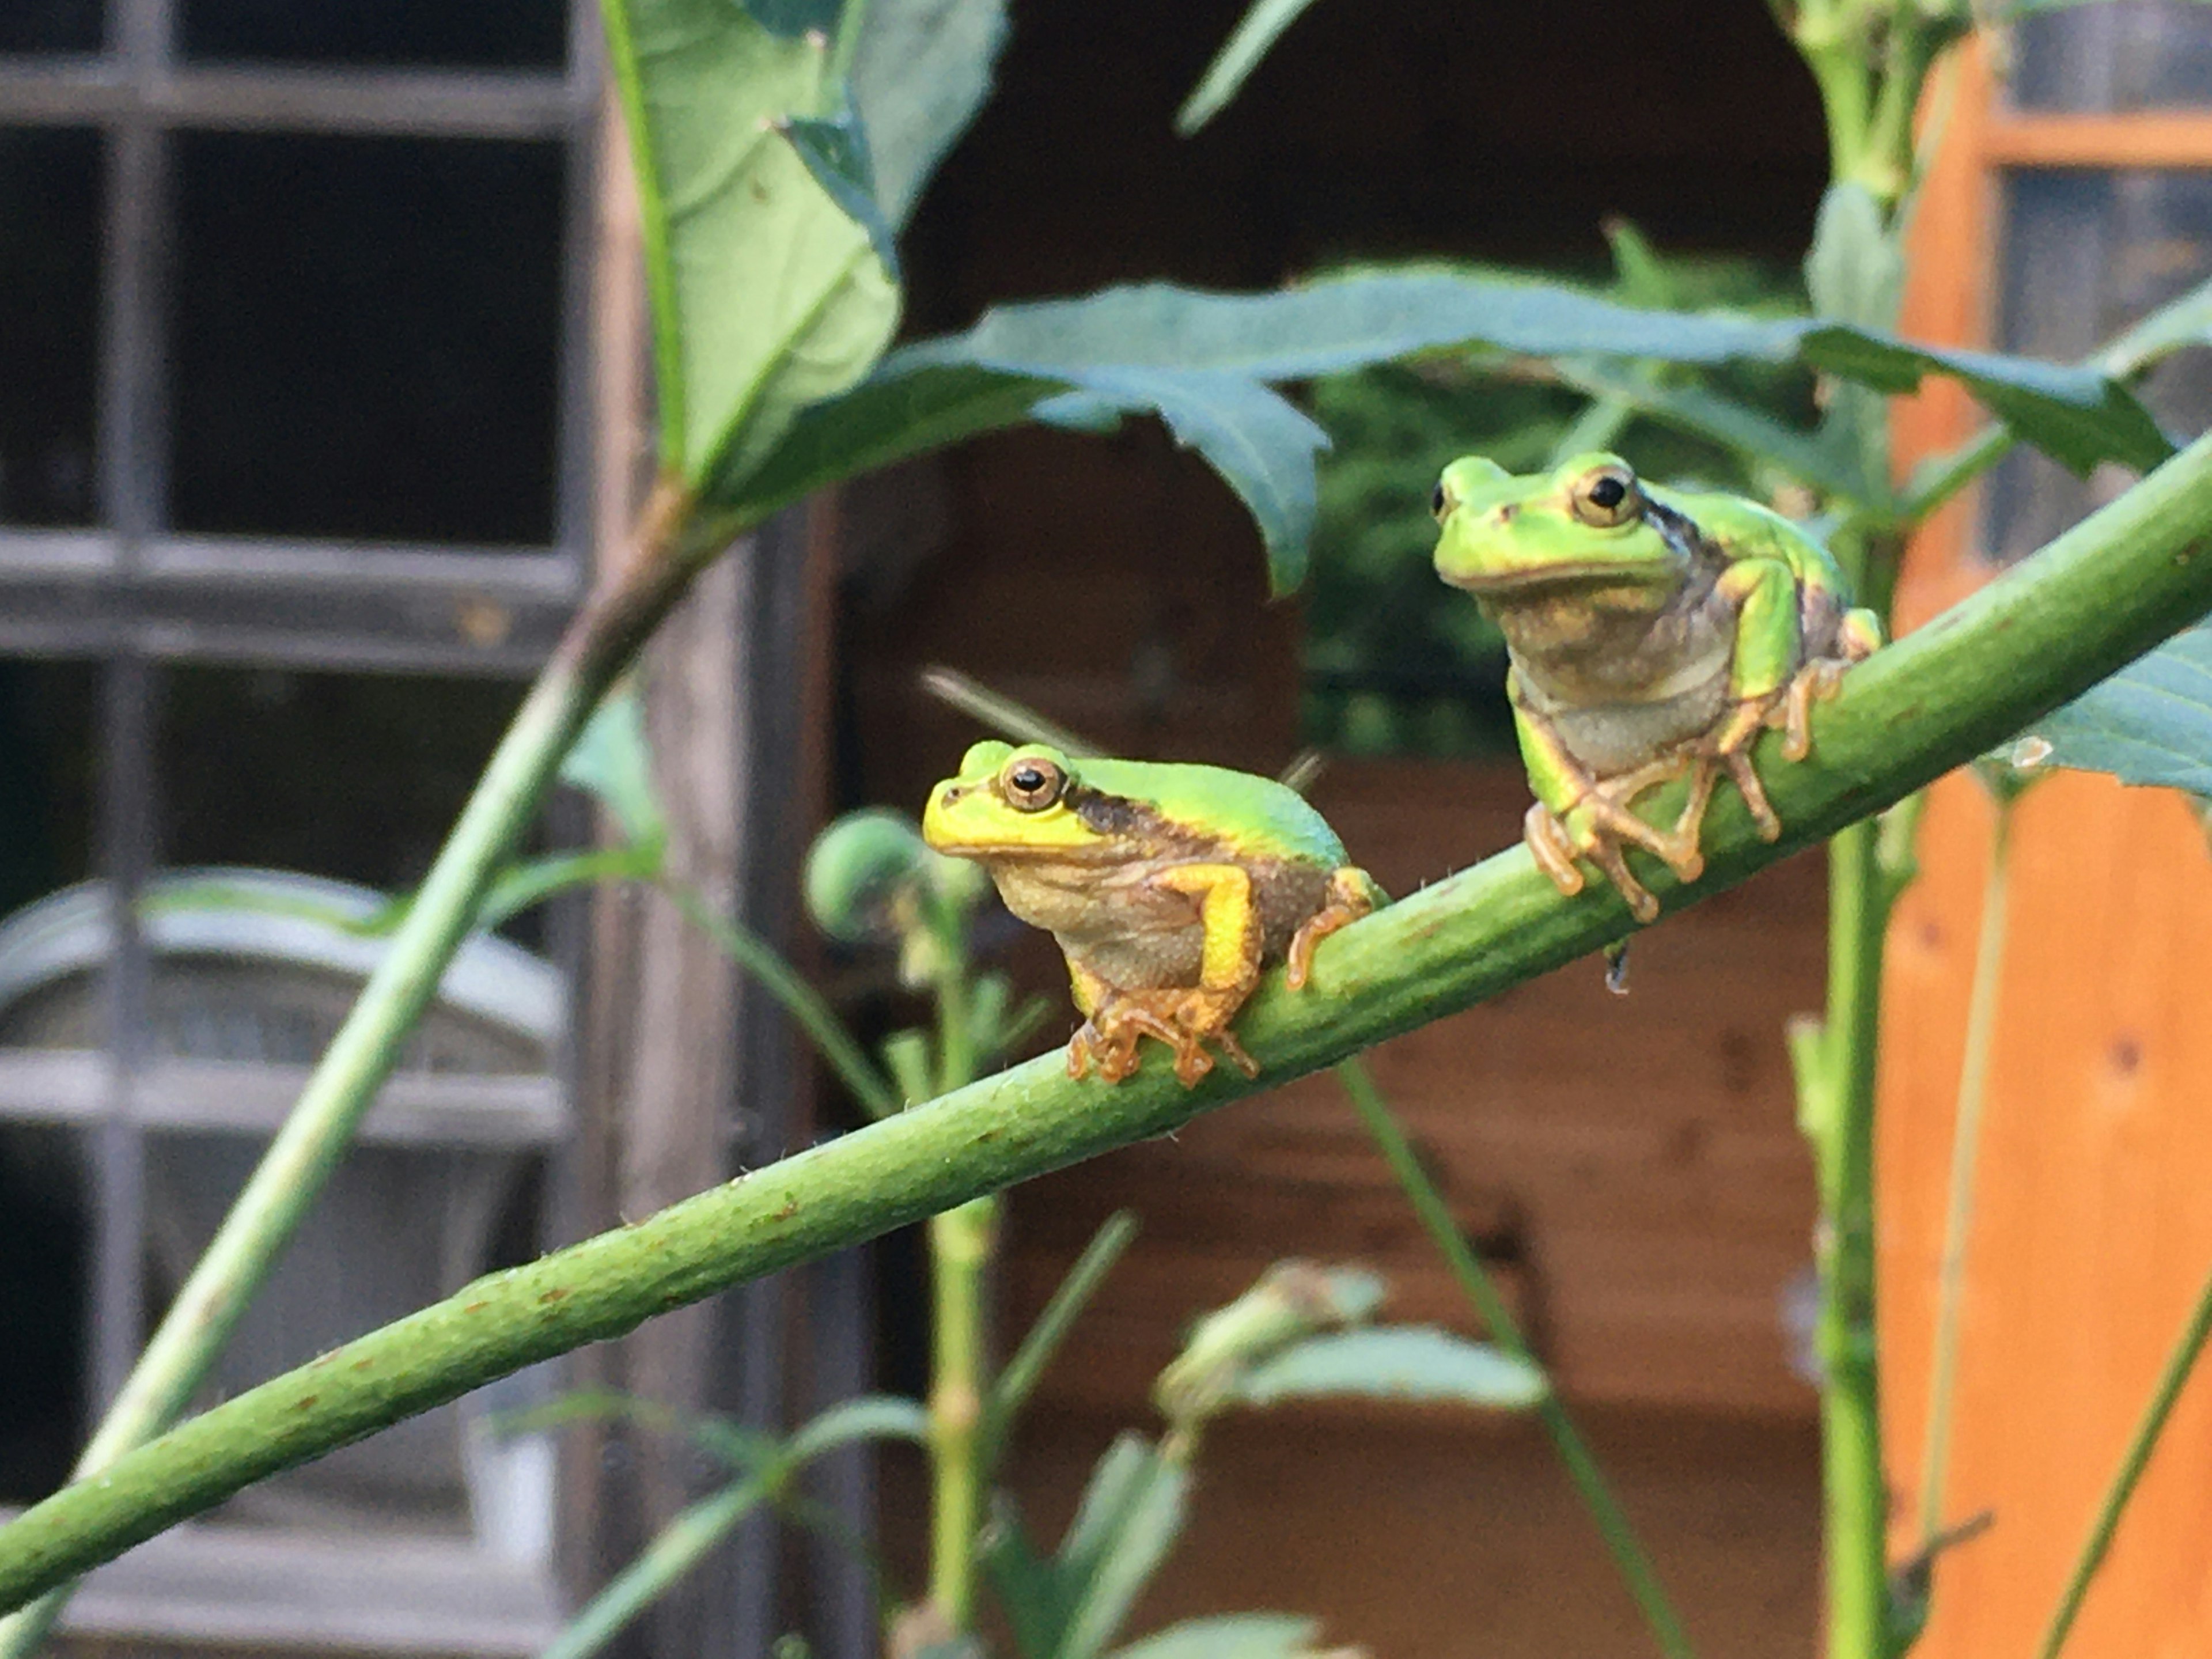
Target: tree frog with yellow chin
pixel 1653 633
pixel 1168 887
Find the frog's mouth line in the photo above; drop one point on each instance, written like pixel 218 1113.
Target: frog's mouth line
pixel 1556 576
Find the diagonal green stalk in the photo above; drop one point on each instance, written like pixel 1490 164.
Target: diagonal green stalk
pixel 2119 583
pixel 1019 1378
pixel 2178 1366
pixel 1966 1158
pixel 600 644
pixel 1436 1219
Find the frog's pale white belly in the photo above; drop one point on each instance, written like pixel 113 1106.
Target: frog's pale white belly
pixel 1617 735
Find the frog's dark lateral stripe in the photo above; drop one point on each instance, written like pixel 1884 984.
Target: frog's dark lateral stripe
pixel 1682 537
pixel 1111 815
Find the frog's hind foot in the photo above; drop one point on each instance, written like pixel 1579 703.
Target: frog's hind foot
pixel 1353 894
pixel 1816 682
pixel 1184 1019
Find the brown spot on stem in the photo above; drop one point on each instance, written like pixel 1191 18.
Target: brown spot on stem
pixel 558 1293
pixel 307 1402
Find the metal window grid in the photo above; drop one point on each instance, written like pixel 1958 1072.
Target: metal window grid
pixel 132 595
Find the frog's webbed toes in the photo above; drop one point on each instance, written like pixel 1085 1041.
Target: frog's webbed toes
pixel 1184 1019
pixel 1753 792
pixel 1554 852
pixel 1816 682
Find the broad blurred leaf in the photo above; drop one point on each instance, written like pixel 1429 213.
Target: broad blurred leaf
pixel 1395 1362
pixel 922 71
pixel 1233 1635
pixel 1262 26
pixel 1186 342
pixel 835 151
pixel 2151 723
pixel 767 294
pixel 792 18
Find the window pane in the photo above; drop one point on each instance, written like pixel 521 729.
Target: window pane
pixel 356 776
pixel 2132 54
pixel 2085 254
pixel 49 190
pixel 49 26
pixel 490 34
pixel 367 334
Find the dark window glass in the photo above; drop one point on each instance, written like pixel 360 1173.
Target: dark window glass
pixel 486 33
pixel 49 190
pixel 2132 54
pixel 2085 254
pixel 47 778
pixel 365 337
pixel 49 26
pixel 356 776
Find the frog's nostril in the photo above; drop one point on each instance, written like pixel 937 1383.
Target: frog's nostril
pixel 1505 512
pixel 950 797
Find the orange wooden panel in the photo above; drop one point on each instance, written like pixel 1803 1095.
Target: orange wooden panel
pixel 2095 1222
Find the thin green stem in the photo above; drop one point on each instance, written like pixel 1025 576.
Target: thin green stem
pixel 2178 1366
pixel 805 1004
pixel 675 1550
pixel 1965 1150
pixel 1018 1380
pixel 960 1243
pixel 2043 631
pixel 1436 1219
pixel 1842 1134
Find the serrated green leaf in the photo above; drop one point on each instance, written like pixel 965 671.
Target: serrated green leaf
pixel 1232 1636
pixel 1260 27
pixel 922 70
pixel 767 294
pixel 1395 1362
pixel 2151 723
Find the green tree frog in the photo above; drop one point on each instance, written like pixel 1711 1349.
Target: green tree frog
pixel 1652 634
pixel 1168 887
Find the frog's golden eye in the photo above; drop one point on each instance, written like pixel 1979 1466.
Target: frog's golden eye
pixel 1439 503
pixel 1604 496
pixel 1030 783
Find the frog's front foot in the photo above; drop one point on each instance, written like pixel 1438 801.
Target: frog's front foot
pixel 1788 710
pixel 1185 1017
pixel 1597 827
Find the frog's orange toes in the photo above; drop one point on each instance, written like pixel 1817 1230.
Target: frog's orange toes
pixel 1351 895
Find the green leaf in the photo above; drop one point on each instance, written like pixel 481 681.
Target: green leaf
pixel 791 19
pixel 1262 446
pixel 1032 1592
pixel 1809 457
pixel 767 294
pixel 922 70
pixel 836 152
pixel 871 1416
pixel 1232 1636
pixel 1130 1516
pixel 2151 723
pixel 1262 26
pixel 2183 321
pixel 1855 272
pixel 1395 1362
pixel 612 762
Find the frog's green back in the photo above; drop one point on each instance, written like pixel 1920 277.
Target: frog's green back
pixel 1259 814
pixel 1750 529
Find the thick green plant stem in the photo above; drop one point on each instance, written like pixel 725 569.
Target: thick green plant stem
pixel 1436 1219
pixel 2045 631
pixel 1836 1081
pixel 2178 1366
pixel 606 635
pixel 1965 1159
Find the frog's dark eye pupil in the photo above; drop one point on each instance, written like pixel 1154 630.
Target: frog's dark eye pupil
pixel 1029 779
pixel 1609 492
pixel 1438 501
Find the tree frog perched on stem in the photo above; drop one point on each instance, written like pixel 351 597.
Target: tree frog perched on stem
pixel 1168 887
pixel 1652 634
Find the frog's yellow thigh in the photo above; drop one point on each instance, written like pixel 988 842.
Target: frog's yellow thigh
pixel 1231 954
